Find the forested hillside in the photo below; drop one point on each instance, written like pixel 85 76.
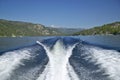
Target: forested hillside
pixel 18 28
pixel 112 28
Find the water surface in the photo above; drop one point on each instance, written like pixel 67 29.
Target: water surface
pixel 61 58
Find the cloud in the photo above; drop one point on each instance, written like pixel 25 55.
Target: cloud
pixel 54 26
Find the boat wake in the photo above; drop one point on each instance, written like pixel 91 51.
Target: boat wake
pixel 64 59
pixel 58 67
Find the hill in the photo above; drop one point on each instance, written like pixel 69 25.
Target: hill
pixel 18 28
pixel 112 28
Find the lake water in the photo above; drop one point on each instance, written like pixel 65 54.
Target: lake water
pixel 60 58
pixel 9 43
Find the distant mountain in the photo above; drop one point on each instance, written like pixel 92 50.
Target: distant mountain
pixel 18 28
pixel 112 28
pixel 67 31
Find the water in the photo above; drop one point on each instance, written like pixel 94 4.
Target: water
pixel 11 43
pixel 60 58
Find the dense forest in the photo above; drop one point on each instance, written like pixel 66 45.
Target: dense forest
pixel 107 29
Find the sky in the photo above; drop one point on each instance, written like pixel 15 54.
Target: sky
pixel 62 13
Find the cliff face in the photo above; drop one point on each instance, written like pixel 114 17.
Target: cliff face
pixel 112 28
pixel 17 28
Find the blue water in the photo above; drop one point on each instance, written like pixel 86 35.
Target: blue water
pixel 61 58
pixel 9 43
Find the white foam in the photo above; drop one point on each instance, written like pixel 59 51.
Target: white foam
pixel 10 61
pixel 109 61
pixel 58 59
